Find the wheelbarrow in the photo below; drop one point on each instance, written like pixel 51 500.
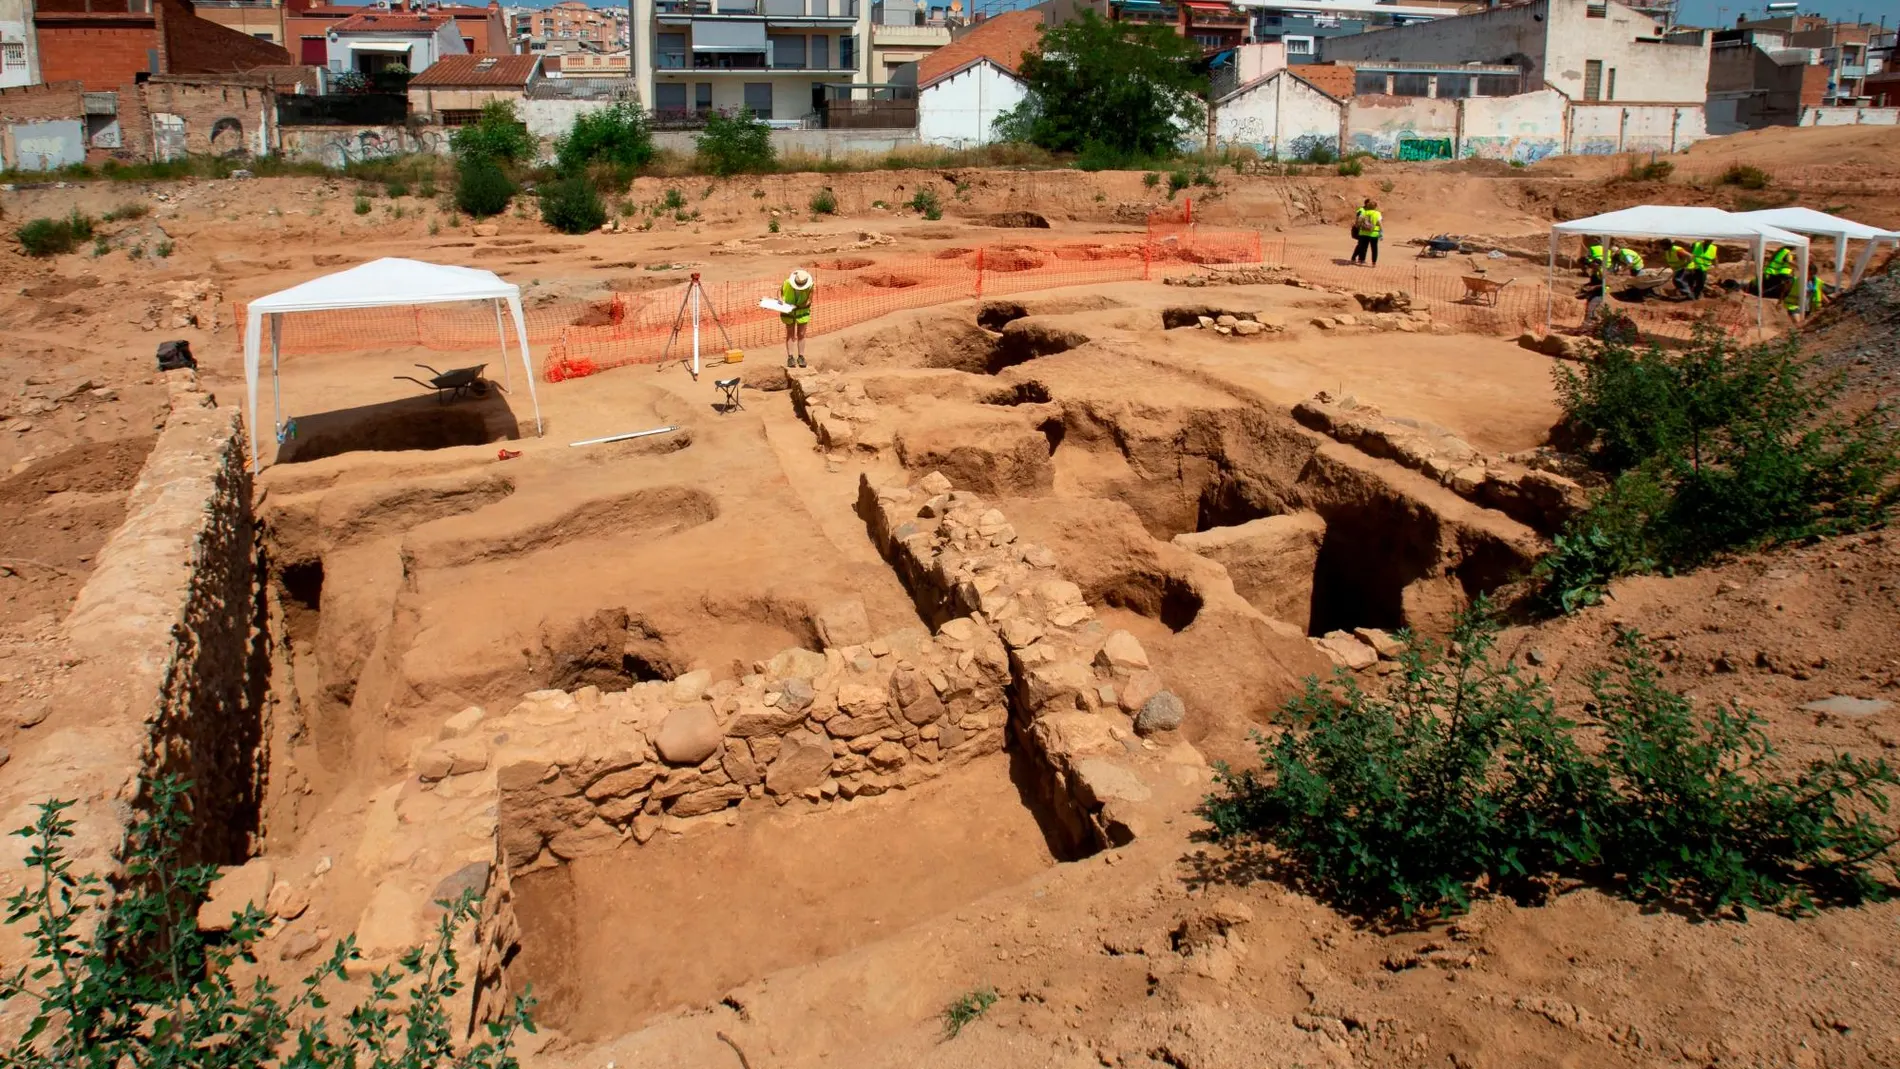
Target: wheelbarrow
pixel 453 384
pixel 1483 290
pixel 1438 246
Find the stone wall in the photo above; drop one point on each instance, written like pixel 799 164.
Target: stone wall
pixel 159 649
pixel 1076 688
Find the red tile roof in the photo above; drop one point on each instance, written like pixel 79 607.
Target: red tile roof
pixel 390 22
pixel 469 71
pixel 1001 39
pixel 1334 79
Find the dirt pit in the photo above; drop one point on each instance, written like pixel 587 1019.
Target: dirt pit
pixel 610 940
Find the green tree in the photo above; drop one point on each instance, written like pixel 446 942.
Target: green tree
pixel 572 206
pixel 1132 89
pixel 616 135
pixel 735 144
pixel 499 134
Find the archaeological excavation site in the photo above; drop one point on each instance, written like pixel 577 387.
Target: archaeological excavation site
pixel 895 708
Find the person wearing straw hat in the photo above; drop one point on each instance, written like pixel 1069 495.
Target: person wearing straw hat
pixel 796 292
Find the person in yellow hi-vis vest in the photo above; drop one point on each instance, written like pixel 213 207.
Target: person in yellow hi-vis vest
pixel 1702 257
pixel 1817 296
pixel 796 292
pixel 1367 225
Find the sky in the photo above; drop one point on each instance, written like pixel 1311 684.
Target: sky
pixel 1723 12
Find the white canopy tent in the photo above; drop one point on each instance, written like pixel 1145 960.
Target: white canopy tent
pixel 1665 222
pixel 1822 225
pixel 378 284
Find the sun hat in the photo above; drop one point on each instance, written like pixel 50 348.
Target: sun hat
pixel 800 280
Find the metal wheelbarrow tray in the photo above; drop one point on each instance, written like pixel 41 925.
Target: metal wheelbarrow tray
pixel 453 384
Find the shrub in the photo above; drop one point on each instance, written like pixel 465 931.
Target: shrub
pixel 616 136
pixel 163 249
pixel 1351 168
pixel 51 237
pixel 362 205
pixel 127 978
pixel 1519 164
pixel 497 135
pixel 481 189
pixel 1151 179
pixel 572 206
pixel 131 209
pixel 1177 181
pixel 426 189
pixel 735 144
pixel 1712 448
pixel 1096 156
pixel 396 187
pixel 1465 775
pixel 1203 177
pixel 1653 171
pixel 100 246
pixel 672 200
pixel 1319 153
pixel 824 202
pixel 771 227
pixel 1745 176
pixel 925 201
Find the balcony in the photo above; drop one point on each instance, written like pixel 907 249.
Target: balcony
pixel 738 63
pixel 681 10
pixel 925 36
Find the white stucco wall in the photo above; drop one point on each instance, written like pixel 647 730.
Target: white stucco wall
pixel 1606 129
pixel 1280 116
pixel 1554 40
pixel 791 93
pixel 1850 116
pixel 424 50
pixel 1526 127
pixel 1382 124
pixel 16 27
pixel 961 110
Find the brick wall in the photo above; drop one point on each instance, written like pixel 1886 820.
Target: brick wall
pixel 1813 85
pixel 37 103
pixel 221 118
pixel 191 45
pixel 102 51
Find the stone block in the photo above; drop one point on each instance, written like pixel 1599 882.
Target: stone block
pixel 1163 712
pixel 236 887
pixel 843 623
pixel 699 803
pixel 1270 560
pixel 689 734
pixel 623 783
pixel 1122 653
pixel 804 760
pixel 595 837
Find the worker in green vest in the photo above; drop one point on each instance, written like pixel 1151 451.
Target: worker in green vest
pixel 1777 274
pixel 795 295
pixel 1627 260
pixel 1367 226
pixel 1594 257
pixel 1677 260
pixel 1702 257
pixel 1817 296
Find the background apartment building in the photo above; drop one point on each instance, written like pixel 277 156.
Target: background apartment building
pixel 780 59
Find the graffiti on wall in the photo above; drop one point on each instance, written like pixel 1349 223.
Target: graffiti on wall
pixel 168 136
pixel 1425 148
pixel 338 147
pixel 227 137
pixel 1306 146
pixel 47 146
pixel 1522 148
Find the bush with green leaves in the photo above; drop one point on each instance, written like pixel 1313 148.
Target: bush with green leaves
pixel 735 144
pixel 1747 176
pixel 1465 775
pixel 362 205
pixel 925 202
pixel 1320 153
pixel 51 237
pixel 572 206
pixel 824 202
pixel 616 136
pixel 482 188
pixel 498 134
pixel 1351 168
pixel 129 979
pixel 1715 447
pixel 1178 181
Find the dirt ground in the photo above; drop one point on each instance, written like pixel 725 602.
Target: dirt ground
pixel 417 573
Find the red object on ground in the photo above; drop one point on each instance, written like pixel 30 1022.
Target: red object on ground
pixel 507 454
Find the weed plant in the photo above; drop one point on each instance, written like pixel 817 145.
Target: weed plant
pixel 129 979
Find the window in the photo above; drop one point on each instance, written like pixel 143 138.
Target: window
pixel 758 99
pixel 468 45
pixel 702 97
pixel 1299 46
pixel 1609 91
pixel 848 52
pixel 13 55
pixel 459 116
pixel 788 51
pixel 669 96
pixel 820 53
pixel 265 36
pixel 1593 79
pixel 672 52
pixel 315 52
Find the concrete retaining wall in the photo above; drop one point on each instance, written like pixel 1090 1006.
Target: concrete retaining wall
pixel 1850 116
pixel 1393 127
pixel 814 142
pixel 336 146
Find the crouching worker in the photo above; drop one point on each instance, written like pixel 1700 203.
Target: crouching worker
pixel 1817 296
pixel 797 292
